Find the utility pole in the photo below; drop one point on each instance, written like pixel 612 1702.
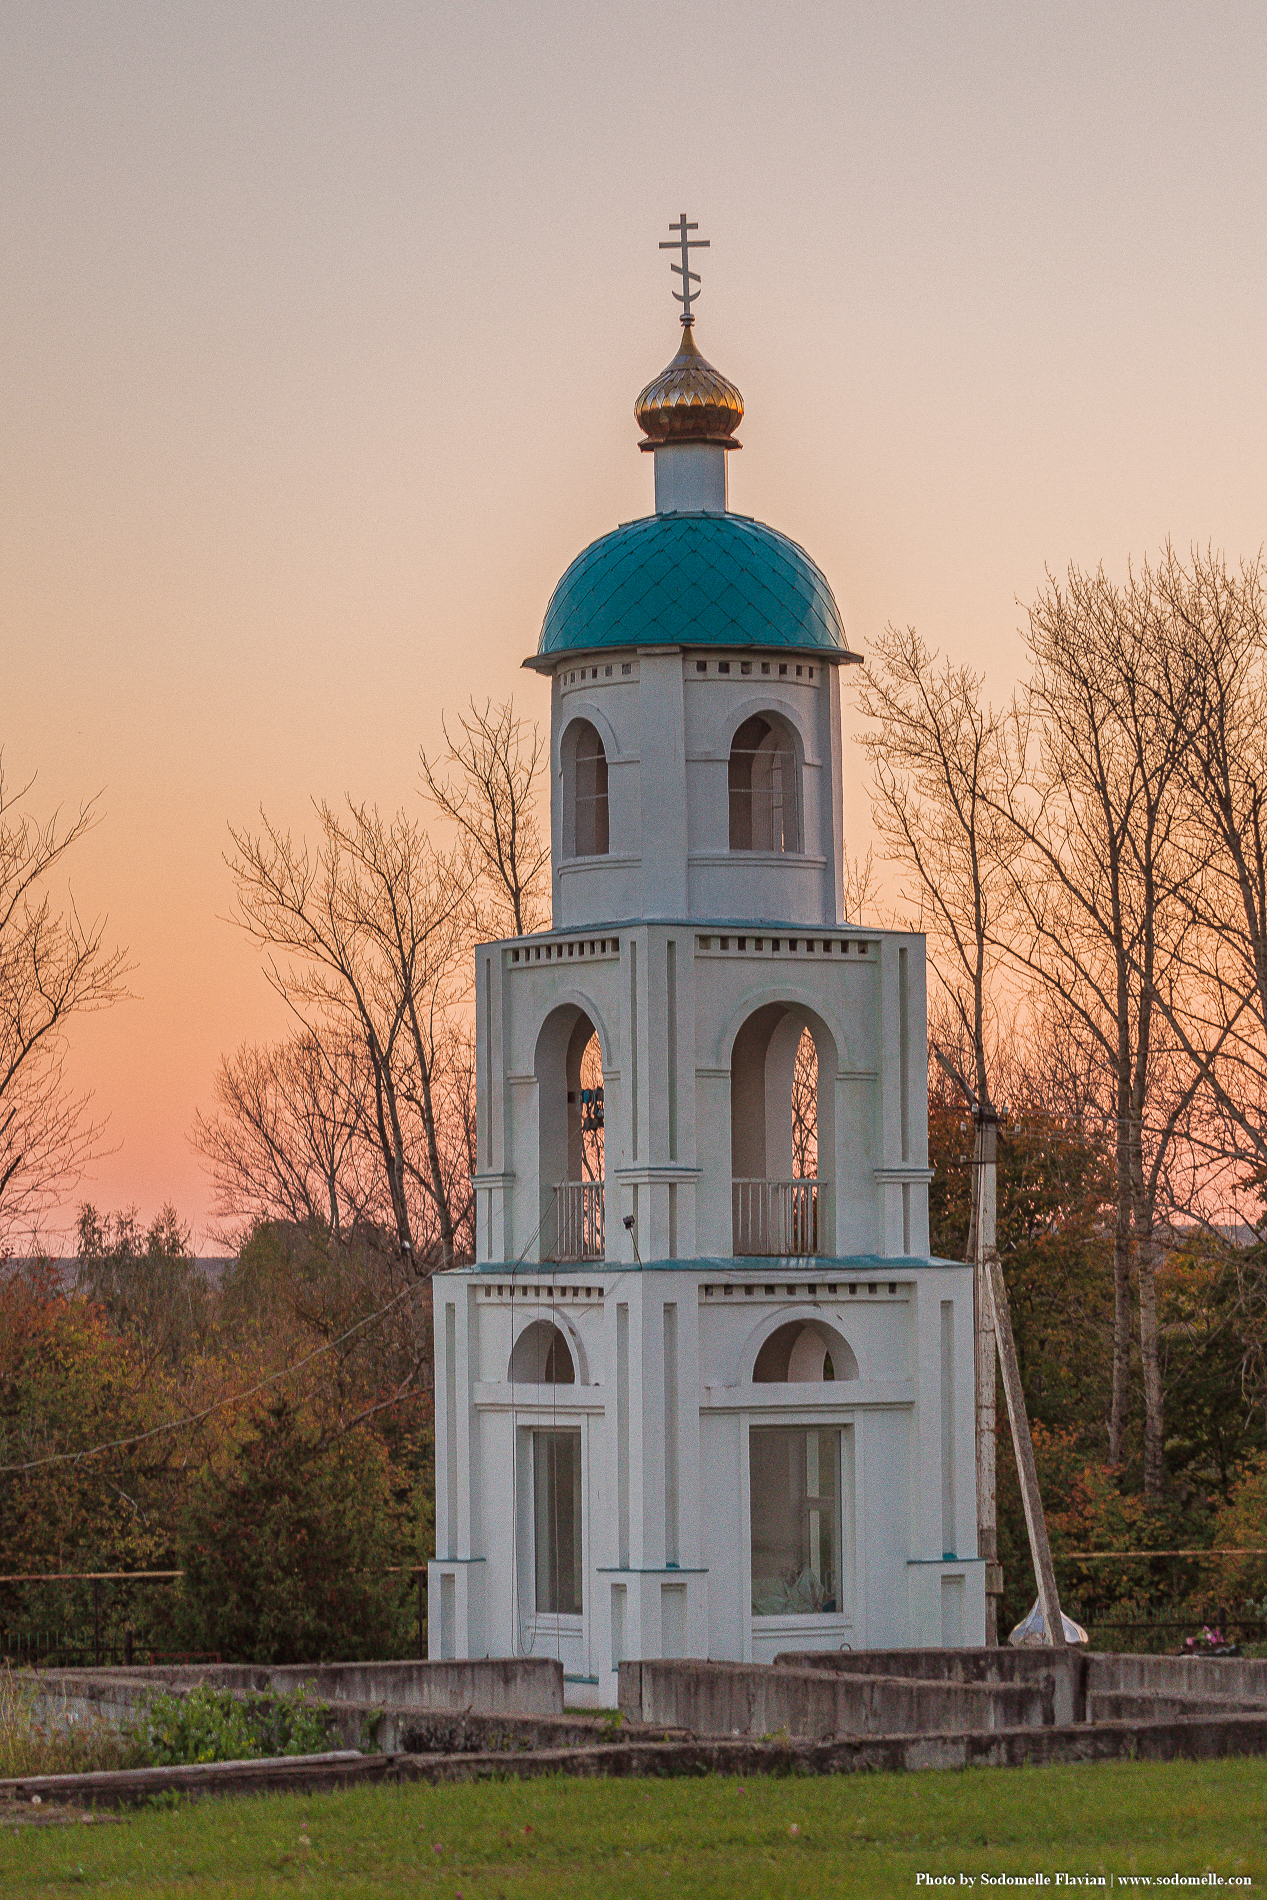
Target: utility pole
pixel 984 1195
pixel 994 1334
pixel 992 1299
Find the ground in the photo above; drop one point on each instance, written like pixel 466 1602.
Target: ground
pixel 869 1835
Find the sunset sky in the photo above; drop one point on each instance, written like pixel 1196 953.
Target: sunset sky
pixel 322 326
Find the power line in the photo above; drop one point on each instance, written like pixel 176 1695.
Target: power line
pixel 196 1418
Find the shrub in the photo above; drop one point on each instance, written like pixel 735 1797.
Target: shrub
pixel 213 1725
pixel 287 1551
pixel 1242 1525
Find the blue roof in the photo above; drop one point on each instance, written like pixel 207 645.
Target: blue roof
pixel 692 580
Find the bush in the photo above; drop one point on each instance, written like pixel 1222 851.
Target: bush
pixel 287 1553
pixel 213 1725
pixel 1242 1525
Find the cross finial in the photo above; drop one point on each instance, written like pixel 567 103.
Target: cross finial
pixel 683 270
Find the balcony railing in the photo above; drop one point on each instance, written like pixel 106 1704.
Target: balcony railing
pixel 581 1230
pixel 776 1217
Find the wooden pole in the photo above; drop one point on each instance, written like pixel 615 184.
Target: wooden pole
pixel 983 1234
pixel 1031 1497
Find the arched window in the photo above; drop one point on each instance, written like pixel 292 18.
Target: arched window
pixel 802 1352
pixel 783 1066
pixel 764 788
pixel 585 763
pixel 541 1357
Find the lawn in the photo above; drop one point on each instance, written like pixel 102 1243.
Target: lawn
pixel 860 1834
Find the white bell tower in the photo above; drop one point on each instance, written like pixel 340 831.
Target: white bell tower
pixel 703 1391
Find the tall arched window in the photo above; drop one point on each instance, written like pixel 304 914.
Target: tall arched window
pixel 764 788
pixel 585 766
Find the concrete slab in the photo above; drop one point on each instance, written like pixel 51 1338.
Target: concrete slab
pixel 716 1698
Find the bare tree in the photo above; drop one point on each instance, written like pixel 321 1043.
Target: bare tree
pixel 493 803
pixel 1216 684
pixel 938 767
pixel 289 1135
pixel 1095 801
pixel 52 966
pixel 939 774
pixel 374 925
pixel 860 887
pixel 805 1109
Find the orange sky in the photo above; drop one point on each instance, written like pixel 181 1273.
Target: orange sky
pixel 322 328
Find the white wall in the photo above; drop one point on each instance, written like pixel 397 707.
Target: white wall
pixel 666 728
pixel 667 1078
pixel 666 1501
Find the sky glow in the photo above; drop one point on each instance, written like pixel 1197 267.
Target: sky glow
pixel 323 326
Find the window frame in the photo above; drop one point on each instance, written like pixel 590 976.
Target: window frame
pixel 578 727
pixel 814 1624
pixel 778 724
pixel 543 1613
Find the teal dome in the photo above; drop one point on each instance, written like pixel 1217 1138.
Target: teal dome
pixel 692 580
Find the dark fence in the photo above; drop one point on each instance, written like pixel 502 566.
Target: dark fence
pixel 75 1619
pixel 1156 1600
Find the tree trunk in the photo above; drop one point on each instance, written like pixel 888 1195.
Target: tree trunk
pixel 1147 1260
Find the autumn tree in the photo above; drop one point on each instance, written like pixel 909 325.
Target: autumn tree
pixel 288 1547
pixel 54 966
pixel 148 1284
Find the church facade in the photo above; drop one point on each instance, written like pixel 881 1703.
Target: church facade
pixel 704 1392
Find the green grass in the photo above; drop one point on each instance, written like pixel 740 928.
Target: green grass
pixel 722 1838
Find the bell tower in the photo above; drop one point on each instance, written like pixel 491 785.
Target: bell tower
pixel 698 1394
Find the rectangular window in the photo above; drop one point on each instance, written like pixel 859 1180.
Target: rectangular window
pixel 796 1557
pixel 556 1505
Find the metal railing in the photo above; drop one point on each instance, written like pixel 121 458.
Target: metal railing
pixel 47 1620
pixel 775 1217
pixel 581 1221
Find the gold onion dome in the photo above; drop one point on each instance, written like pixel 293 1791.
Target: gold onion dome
pixel 690 401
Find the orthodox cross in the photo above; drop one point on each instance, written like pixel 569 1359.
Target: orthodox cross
pixel 683 270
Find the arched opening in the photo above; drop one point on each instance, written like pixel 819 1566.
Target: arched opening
pixel 805 1109
pixel 586 832
pixel 782 1132
pixel 571 1117
pixel 542 1356
pixel 804 1352
pixel 764 782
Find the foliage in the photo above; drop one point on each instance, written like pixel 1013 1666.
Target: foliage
pixel 1241 1524
pixel 1053 1189
pixel 1054 1198
pixel 148 1285
pixel 287 1548
pixel 67 1380
pixel 210 1724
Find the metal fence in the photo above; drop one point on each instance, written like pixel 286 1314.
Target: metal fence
pixel 78 1619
